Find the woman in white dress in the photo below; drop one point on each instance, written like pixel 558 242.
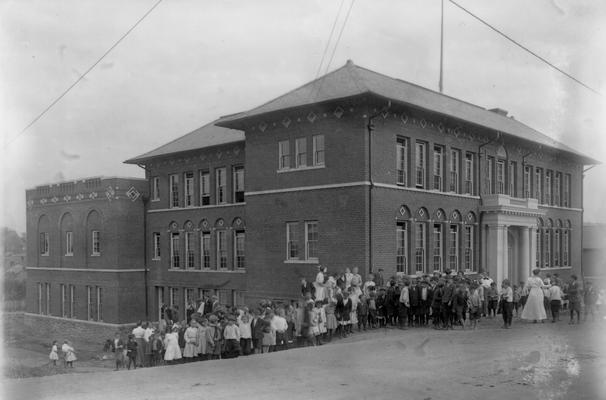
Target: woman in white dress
pixel 171 344
pixel 319 283
pixel 534 309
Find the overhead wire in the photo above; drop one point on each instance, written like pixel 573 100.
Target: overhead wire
pixel 51 105
pixel 332 31
pixel 526 49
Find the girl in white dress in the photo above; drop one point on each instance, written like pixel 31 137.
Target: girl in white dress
pixel 54 356
pixel 69 353
pixel 191 341
pixel 171 344
pixel 534 309
pixel 319 283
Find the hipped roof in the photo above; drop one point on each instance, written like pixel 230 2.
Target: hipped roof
pixel 352 80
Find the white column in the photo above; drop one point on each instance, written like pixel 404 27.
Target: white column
pixel 491 250
pixel 483 231
pixel 502 250
pixel 526 256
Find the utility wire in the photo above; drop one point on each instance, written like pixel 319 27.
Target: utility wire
pixel 339 37
pixel 329 40
pixel 317 92
pixel 526 48
pixel 83 75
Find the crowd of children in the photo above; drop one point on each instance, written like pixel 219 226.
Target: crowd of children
pixel 336 306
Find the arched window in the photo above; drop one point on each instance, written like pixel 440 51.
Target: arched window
pixel 67 235
pixel 402 237
pixel 557 244
pixel 454 240
pixel 421 217
pixel 566 244
pixel 548 243
pixel 239 240
pixel 539 240
pixel 221 243
pixel 189 244
pixel 93 229
pixel 438 240
pixel 205 247
pixel 174 245
pixel 469 237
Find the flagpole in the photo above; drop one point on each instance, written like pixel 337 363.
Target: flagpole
pixel 441 83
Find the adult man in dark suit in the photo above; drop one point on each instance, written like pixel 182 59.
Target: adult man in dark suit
pixel 414 293
pixel 215 304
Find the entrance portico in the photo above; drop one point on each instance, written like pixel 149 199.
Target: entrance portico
pixel 508 228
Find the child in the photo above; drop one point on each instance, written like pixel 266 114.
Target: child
pixel 157 349
pixel 245 334
pixel 231 334
pixel 574 299
pixel 331 320
pixel 507 301
pixel 372 309
pixel 517 297
pixel 362 312
pixel 69 354
pixel 315 322
pixel 191 341
pixel 131 351
pixel 590 298
pixel 459 301
pixel 555 295
pixel 493 300
pixel 53 354
pixel 474 303
pixel 118 351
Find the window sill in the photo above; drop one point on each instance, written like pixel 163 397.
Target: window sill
pixel 156 259
pixel 551 268
pixel 96 255
pixel 310 261
pixel 44 255
pixel 155 200
pixel 69 255
pixel 281 171
pixel 208 270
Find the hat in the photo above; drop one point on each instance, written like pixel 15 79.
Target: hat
pixel 213 318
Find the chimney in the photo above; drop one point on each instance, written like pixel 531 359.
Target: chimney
pixel 499 111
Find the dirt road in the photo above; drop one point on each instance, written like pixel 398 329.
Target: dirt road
pixel 531 361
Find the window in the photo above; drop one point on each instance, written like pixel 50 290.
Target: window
pixel 311 240
pixel 99 304
pixel 438 166
pixel 402 247
pixel 469 173
pixel 512 179
pixel 284 154
pixel 96 243
pixel 222 249
pixel 69 244
pixel 437 247
pixel 548 187
pixel 63 300
pixel 402 161
pixel 566 248
pixel 156 239
pixel 489 172
pixel 420 244
pixel 527 176
pixel 239 258
pixel 72 301
pixel 204 188
pixel 160 301
pixel 547 248
pixel 189 250
pixel 454 171
pixel 301 152
pixel 40 298
pixel 318 148
pixel 188 295
pixel 220 180
pixel 468 248
pixel 566 195
pixel 421 165
pixel 44 244
pixel 189 189
pixel 453 248
pixel 538 183
pixel 173 294
pixel 174 250
pixel 90 303
pixel 557 189
pixel 539 252
pixel 205 250
pixel 500 178
pixel 238 184
pixel 292 241
pixel 556 248
pixel 155 188
pixel 174 190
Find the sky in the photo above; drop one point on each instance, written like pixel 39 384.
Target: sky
pixel 190 62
